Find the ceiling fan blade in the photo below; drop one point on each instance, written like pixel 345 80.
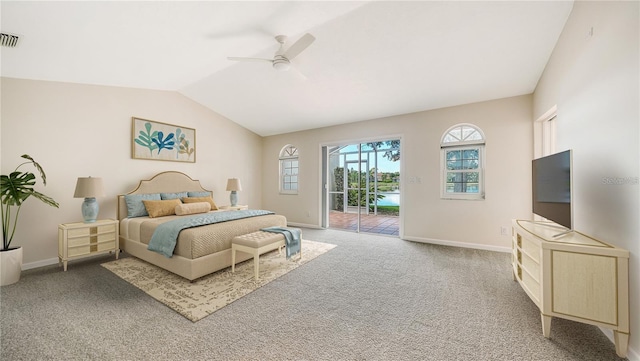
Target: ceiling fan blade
pixel 297 73
pixel 237 58
pixel 297 47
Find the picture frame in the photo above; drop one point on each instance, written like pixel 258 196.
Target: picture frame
pixel 154 140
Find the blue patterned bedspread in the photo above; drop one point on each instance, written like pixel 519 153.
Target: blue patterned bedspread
pixel 165 236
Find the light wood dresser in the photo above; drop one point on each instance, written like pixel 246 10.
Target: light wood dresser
pixel 239 207
pixel 77 240
pixel 573 276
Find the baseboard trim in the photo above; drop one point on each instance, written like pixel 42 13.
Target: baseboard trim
pixel 303 225
pixel 458 244
pixel 37 264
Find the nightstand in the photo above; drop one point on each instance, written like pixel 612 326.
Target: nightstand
pixel 80 239
pixel 233 208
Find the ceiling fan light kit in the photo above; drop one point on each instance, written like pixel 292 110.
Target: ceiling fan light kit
pixel 281 63
pixel 282 59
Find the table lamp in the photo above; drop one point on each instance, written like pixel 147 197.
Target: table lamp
pixel 89 188
pixel 233 185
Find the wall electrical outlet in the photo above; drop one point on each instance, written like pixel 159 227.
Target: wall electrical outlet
pixel 504 231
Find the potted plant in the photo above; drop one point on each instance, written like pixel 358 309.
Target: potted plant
pixel 16 188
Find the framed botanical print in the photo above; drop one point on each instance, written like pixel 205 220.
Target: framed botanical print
pixel 161 141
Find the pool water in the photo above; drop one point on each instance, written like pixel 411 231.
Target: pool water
pixel 390 199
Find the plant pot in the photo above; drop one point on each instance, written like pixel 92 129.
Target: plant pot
pixel 10 266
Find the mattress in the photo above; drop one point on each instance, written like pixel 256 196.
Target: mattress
pixel 199 241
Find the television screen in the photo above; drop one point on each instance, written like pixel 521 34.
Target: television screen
pixel 552 188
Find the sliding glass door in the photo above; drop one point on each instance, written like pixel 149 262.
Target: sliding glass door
pixel 362 189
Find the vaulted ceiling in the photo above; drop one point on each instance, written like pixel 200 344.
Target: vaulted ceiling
pixel 370 59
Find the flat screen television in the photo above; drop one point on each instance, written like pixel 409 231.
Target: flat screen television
pixel 552 188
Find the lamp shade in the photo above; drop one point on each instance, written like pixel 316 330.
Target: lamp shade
pixel 233 184
pixel 89 187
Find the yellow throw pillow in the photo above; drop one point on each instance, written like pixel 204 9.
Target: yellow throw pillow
pixel 161 208
pixel 192 208
pixel 200 199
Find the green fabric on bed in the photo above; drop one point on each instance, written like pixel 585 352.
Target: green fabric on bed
pixel 292 238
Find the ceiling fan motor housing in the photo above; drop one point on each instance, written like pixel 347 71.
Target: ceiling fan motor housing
pixel 281 63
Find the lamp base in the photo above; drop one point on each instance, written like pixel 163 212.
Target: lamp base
pixel 233 197
pixel 90 210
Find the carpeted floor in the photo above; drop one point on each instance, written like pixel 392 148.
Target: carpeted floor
pixel 370 298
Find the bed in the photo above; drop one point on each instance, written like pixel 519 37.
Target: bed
pixel 200 250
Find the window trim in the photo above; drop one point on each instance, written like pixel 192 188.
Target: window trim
pixel 286 155
pixel 462 145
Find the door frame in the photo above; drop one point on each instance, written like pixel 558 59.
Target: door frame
pixel 324 174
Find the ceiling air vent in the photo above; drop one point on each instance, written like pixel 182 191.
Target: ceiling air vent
pixel 8 40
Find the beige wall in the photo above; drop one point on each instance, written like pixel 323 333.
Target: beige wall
pixel 594 82
pixel 76 130
pixel 506 124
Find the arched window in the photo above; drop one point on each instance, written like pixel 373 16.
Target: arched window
pixel 462 167
pixel 289 170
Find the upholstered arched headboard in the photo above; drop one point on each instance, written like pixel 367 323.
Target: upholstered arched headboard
pixel 165 182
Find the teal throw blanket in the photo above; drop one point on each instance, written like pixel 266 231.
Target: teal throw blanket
pixel 165 236
pixel 291 236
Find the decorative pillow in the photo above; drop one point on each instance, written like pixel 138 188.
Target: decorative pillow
pixel 193 208
pixel 198 194
pixel 208 199
pixel 161 208
pixel 135 207
pixel 177 195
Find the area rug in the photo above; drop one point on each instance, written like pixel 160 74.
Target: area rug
pixel 196 300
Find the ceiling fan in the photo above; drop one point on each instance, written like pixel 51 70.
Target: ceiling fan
pixel 282 58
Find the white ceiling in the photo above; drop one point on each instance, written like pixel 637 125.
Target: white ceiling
pixel 369 60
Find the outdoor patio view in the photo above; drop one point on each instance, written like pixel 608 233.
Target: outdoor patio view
pixel 364 187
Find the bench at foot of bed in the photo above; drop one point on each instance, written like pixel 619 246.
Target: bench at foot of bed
pixel 256 243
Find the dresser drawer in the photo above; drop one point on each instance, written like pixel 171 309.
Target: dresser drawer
pixel 84 239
